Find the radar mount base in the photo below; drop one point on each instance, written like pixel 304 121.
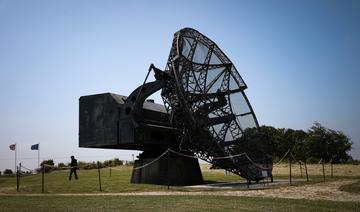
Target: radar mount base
pixel 170 169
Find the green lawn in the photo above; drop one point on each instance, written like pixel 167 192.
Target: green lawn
pixel 57 182
pixel 167 203
pixel 352 188
pixel 119 181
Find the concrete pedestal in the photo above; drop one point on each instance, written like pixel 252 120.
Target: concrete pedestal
pixel 170 169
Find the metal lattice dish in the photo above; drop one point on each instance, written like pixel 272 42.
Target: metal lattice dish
pixel 205 98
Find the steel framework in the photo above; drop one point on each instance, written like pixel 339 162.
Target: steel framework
pixel 206 114
pixel 205 97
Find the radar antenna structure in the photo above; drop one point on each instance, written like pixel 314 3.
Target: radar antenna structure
pixel 205 97
pixel 205 114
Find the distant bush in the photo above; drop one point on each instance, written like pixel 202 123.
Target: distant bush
pixel 81 165
pixel 61 165
pixel 129 163
pixel 114 162
pixel 118 162
pixel 8 172
pixel 94 165
pixel 49 165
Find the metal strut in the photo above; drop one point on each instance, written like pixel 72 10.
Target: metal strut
pixel 133 106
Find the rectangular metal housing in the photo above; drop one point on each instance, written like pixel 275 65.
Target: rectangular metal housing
pixel 99 118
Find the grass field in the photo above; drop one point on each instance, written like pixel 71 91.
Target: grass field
pixel 352 188
pixel 119 181
pixel 168 203
pixel 83 194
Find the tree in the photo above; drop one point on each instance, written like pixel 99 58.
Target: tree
pixel 118 162
pixel 315 144
pixel 8 172
pixel 274 139
pixel 284 139
pixel 49 162
pixel 48 165
pixel 61 165
pixel 298 148
pixel 339 146
pixel 327 144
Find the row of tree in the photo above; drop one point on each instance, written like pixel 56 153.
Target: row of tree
pixel 50 165
pixel 313 145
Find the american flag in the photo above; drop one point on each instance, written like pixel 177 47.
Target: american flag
pixel 12 147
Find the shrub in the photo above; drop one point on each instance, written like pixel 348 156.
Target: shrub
pixel 49 165
pixel 8 172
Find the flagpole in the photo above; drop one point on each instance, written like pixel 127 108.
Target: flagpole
pixel 38 155
pixel 15 156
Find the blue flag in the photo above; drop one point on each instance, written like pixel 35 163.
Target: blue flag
pixel 35 147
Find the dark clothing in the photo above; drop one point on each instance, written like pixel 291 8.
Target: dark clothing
pixel 73 168
pixel 73 162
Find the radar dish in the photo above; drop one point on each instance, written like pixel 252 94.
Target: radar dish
pixel 205 98
pixel 207 115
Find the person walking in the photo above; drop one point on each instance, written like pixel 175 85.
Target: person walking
pixel 73 168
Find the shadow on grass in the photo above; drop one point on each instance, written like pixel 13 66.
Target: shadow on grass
pixel 351 188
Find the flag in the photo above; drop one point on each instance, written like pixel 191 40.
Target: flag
pixel 35 147
pixel 12 147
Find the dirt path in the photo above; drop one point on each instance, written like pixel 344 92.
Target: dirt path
pixel 319 191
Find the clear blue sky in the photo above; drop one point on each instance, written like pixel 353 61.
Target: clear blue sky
pixel 300 60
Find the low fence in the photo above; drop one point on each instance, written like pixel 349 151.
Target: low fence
pixel 299 168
